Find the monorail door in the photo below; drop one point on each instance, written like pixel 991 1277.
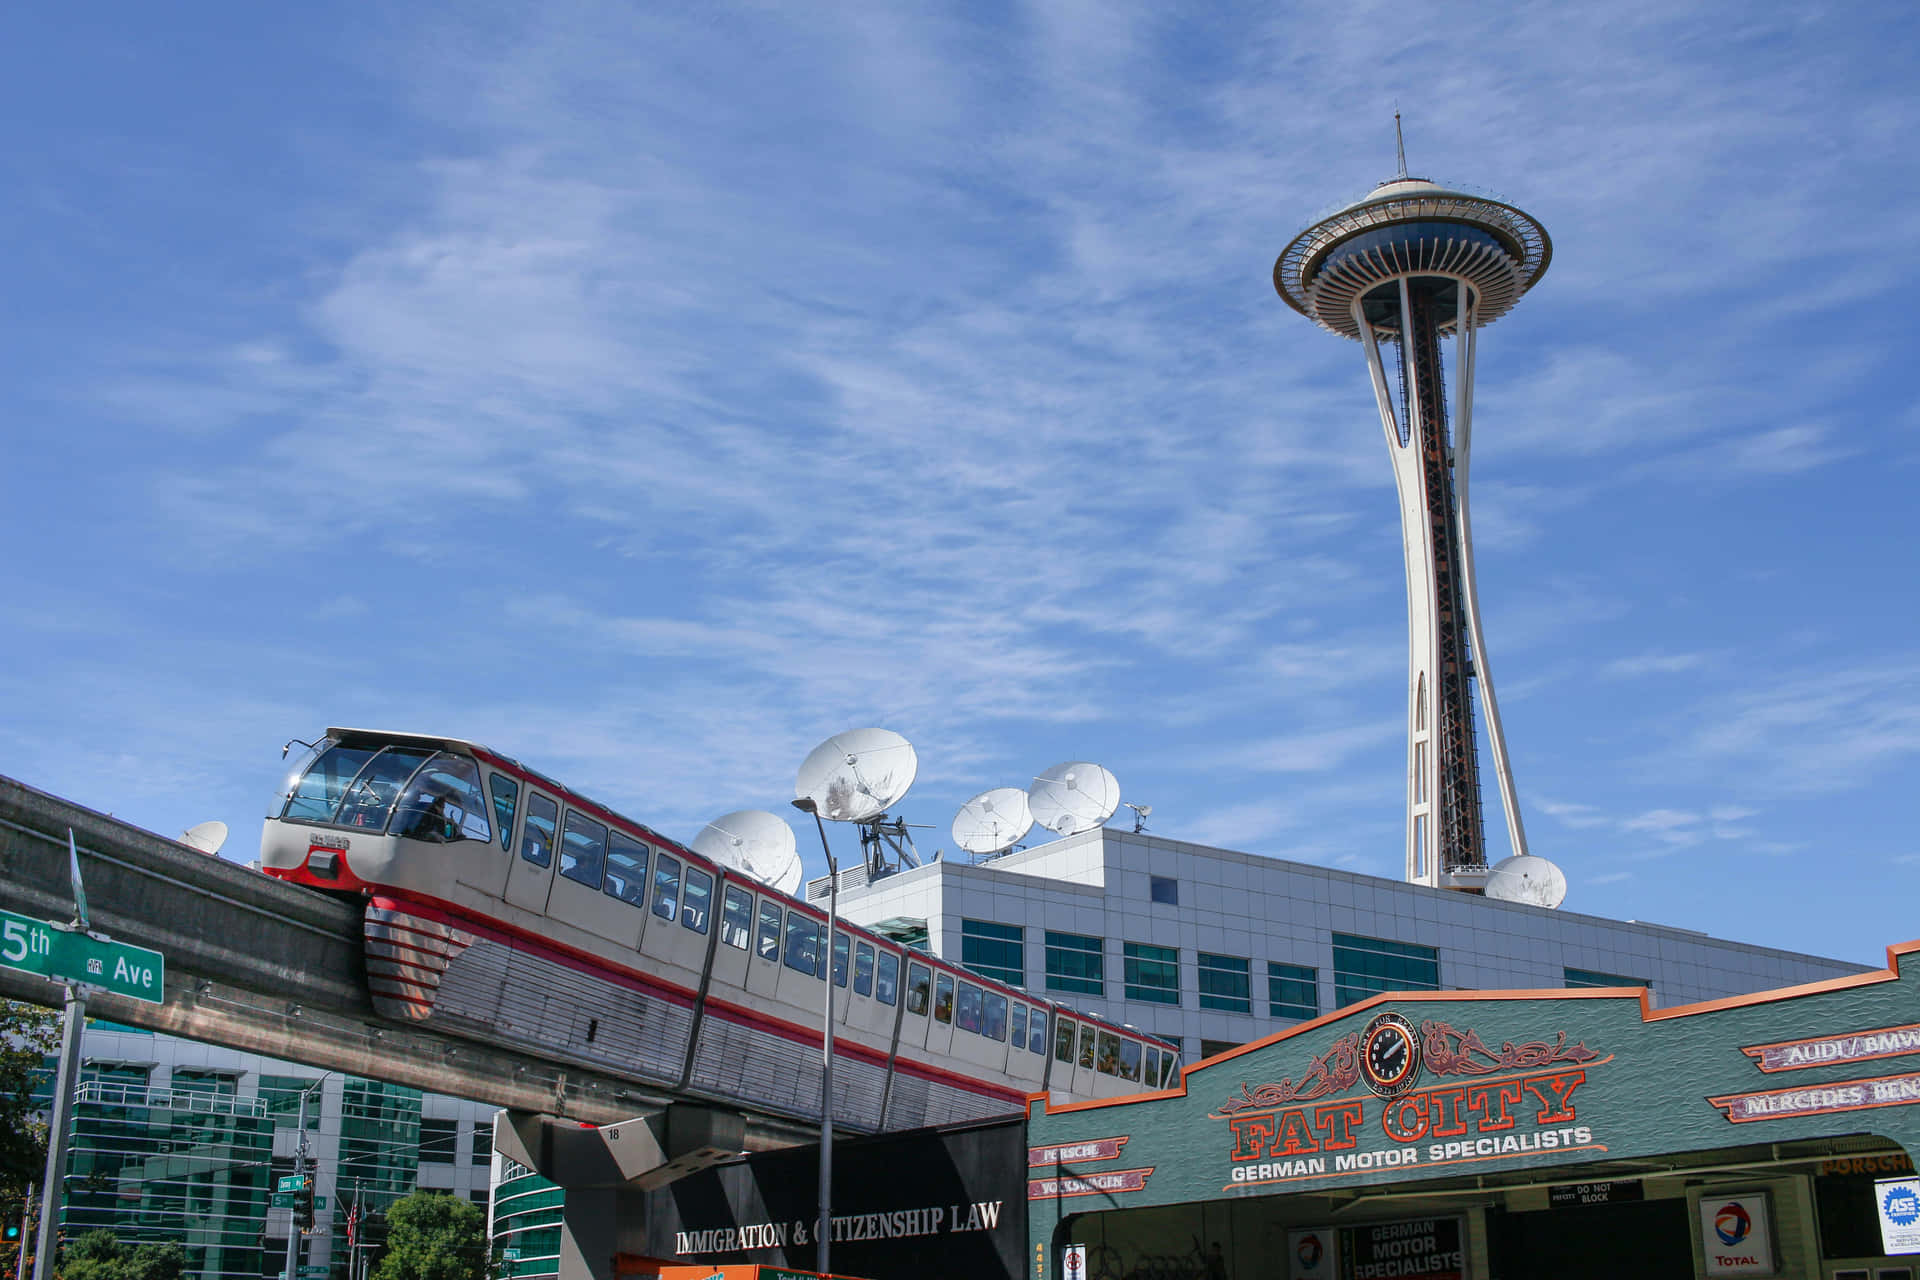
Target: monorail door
pixel 530 879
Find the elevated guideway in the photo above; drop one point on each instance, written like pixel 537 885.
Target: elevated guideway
pixel 259 965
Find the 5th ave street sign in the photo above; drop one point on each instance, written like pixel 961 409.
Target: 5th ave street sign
pixel 55 951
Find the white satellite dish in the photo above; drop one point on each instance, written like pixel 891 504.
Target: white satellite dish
pixel 207 837
pixel 992 821
pixel 1525 878
pixel 755 842
pixel 856 775
pixel 1073 797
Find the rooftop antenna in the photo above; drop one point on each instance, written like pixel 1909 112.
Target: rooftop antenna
pixel 1141 812
pixel 992 822
pixel 755 842
pixel 1400 145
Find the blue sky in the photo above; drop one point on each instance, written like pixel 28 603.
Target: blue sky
pixel 651 392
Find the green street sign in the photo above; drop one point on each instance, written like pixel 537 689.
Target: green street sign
pixel 283 1199
pixel 312 1269
pixel 319 1202
pixel 292 1182
pixel 509 1255
pixel 54 951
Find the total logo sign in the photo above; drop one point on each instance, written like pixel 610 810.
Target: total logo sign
pixel 1735 1236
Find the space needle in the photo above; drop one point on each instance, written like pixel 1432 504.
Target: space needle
pixel 1410 264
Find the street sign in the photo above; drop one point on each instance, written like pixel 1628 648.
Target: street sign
pixel 319 1202
pixel 312 1269
pixel 55 951
pixel 283 1200
pixel 510 1255
pixel 292 1182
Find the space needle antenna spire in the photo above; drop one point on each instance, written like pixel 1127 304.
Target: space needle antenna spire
pixel 1410 264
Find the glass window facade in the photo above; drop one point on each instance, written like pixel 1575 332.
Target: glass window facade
pixel 1164 889
pixel 1075 963
pixel 1293 991
pixel 1225 983
pixel 1594 978
pixel 439 1140
pixel 997 951
pixel 1150 972
pixel 1364 967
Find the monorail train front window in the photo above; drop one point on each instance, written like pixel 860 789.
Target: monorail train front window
pixel 370 799
pixel 443 803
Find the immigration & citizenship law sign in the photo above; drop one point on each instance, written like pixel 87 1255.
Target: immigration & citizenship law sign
pixel 1415 1087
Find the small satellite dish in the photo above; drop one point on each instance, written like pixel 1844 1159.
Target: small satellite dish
pixel 1073 797
pixel 856 775
pixel 1525 878
pixel 992 821
pixel 207 837
pixel 755 842
pixel 1141 812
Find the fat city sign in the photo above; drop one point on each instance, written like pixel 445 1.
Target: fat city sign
pixel 73 955
pixel 1423 1085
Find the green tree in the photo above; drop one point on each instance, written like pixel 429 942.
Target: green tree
pixel 434 1236
pixel 99 1255
pixel 28 1034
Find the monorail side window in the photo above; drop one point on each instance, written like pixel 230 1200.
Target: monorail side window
pixel 693 912
pixel 968 1011
pixel 317 791
pixel 1109 1064
pixel 1087 1035
pixel 839 959
pixel 370 799
pixel 1130 1059
pixel 444 803
pixel 536 842
pixel 1063 1041
pixel 803 943
pixel 768 943
pixel 666 887
pixel 1019 1025
pixel 887 985
pixel 506 798
pixel 943 998
pixel 583 849
pixel 1153 1067
pixel 919 988
pixel 736 917
pixel 863 969
pixel 627 869
pixel 993 1017
pixel 1037 1032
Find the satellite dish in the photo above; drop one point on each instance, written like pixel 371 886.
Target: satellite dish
pixel 207 837
pixel 755 842
pixel 992 821
pixel 1073 797
pixel 1525 878
pixel 856 775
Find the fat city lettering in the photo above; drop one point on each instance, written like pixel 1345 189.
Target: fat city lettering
pixel 1821 1051
pixel 1446 1124
pixel 897 1224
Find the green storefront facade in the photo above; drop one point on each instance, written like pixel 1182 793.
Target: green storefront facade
pixel 1505 1136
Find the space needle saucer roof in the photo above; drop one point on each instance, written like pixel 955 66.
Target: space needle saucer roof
pixel 1404 228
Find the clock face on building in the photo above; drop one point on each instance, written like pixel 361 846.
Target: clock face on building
pixel 1389 1055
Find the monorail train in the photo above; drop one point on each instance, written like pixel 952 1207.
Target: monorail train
pixel 503 907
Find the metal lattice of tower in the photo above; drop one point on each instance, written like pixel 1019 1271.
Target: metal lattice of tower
pixel 1410 264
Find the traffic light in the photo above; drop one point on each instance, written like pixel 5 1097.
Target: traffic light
pixel 303 1207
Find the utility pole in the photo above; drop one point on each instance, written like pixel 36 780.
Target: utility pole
pixel 304 1197
pixel 61 1122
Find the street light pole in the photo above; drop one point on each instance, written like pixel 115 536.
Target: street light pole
pixel 300 1167
pixel 823 1228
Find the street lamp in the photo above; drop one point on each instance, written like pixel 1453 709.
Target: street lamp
pixel 823 1228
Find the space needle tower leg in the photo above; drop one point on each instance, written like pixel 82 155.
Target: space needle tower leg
pixel 1466 334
